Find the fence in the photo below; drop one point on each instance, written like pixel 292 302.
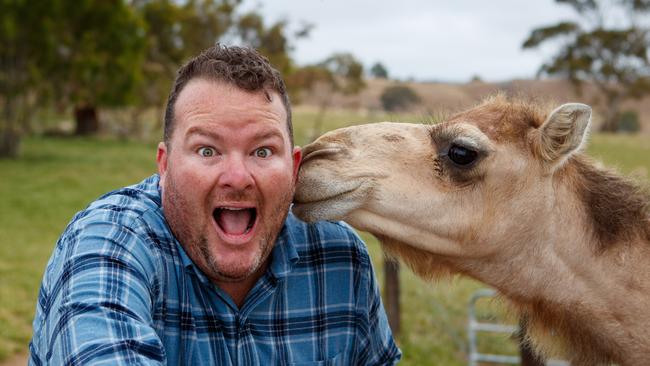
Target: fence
pixel 474 327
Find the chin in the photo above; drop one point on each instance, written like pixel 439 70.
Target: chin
pixel 232 263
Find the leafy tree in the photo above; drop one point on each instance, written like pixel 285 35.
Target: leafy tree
pixel 94 53
pixel 272 41
pixel 340 73
pixel 23 50
pixel 613 57
pixel 175 31
pixel 99 50
pixel 379 71
pixel 347 72
pixel 398 97
pixel 629 122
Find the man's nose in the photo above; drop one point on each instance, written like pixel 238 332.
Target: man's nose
pixel 235 174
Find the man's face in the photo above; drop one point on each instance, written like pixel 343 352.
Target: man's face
pixel 227 177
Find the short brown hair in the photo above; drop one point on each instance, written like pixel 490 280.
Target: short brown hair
pixel 243 67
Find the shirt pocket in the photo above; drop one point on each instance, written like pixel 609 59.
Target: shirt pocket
pixel 334 361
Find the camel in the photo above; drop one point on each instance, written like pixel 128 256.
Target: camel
pixel 501 193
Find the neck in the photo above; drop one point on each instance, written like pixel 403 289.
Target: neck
pixel 588 284
pixel 594 230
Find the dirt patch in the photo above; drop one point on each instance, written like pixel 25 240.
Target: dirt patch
pixel 16 360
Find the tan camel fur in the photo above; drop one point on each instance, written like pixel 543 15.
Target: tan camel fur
pixel 501 193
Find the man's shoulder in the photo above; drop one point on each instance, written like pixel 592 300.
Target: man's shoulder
pixel 122 226
pixel 328 237
pixel 127 217
pixel 126 206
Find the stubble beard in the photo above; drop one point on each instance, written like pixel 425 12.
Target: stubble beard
pixel 194 240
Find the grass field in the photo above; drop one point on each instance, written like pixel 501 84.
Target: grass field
pixel 56 177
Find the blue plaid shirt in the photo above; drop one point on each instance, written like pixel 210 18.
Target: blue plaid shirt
pixel 120 290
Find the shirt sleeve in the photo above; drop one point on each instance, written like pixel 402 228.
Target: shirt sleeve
pixel 96 300
pixel 377 346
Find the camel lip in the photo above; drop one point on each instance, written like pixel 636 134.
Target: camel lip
pixel 332 197
pixel 332 207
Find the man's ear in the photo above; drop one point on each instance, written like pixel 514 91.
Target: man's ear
pixel 161 159
pixel 563 133
pixel 297 159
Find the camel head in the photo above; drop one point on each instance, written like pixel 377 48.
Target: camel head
pixel 466 187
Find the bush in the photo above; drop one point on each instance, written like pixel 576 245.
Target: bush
pixel 395 98
pixel 629 122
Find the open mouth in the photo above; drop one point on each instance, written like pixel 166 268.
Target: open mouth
pixel 235 221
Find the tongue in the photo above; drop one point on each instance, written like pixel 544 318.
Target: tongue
pixel 234 222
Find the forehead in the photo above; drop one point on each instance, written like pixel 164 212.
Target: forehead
pixel 217 94
pixel 217 102
pixel 501 121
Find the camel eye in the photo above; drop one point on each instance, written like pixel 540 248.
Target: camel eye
pixel 461 155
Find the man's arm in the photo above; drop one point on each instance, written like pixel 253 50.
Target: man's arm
pixel 96 301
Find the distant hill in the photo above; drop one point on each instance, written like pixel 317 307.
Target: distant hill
pixel 447 98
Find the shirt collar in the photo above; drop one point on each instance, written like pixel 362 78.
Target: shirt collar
pixel 189 265
pixel 284 254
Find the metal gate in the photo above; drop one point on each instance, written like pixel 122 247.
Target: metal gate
pixel 474 327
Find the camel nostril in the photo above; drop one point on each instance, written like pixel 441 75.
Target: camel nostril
pixel 327 151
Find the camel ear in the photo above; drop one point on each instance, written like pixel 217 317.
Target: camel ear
pixel 563 132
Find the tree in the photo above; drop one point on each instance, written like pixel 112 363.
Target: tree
pixel 175 31
pixel 99 50
pixel 613 57
pixel 92 54
pixel 379 71
pixel 398 97
pixel 271 41
pixel 23 50
pixel 340 73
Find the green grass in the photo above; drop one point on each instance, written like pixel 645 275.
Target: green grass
pixel 57 177
pixel 39 193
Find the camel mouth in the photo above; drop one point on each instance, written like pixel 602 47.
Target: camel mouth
pixel 300 199
pixel 334 206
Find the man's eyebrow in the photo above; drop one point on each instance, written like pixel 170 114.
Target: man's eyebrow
pixel 263 135
pixel 259 135
pixel 202 132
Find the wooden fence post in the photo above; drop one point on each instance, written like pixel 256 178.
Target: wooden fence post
pixel 391 294
pixel 528 357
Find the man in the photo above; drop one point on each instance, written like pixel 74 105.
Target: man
pixel 202 264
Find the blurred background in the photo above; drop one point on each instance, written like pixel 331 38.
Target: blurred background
pixel 83 86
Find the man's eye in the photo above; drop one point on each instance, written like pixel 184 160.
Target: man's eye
pixel 206 152
pixel 263 152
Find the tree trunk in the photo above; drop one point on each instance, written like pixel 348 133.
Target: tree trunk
pixel 612 114
pixel 86 120
pixel 528 356
pixel 9 143
pixel 9 134
pixel 136 129
pixel 318 122
pixel 391 294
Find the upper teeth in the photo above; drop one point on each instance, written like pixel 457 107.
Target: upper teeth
pixel 233 208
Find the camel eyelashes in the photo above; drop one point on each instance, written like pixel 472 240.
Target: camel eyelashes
pixel 461 155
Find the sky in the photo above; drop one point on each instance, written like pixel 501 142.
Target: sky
pixel 425 40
